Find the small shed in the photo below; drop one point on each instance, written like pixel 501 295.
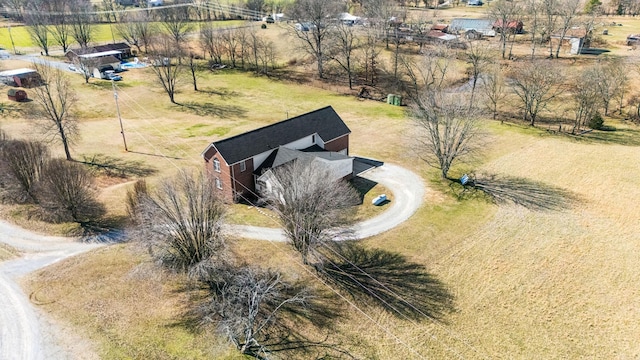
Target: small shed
pixel 17 94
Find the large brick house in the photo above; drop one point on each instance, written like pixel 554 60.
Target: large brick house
pixel 236 163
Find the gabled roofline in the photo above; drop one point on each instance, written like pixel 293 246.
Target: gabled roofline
pixel 338 137
pixel 279 123
pixel 211 145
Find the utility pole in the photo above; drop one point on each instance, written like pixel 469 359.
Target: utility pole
pixel 115 95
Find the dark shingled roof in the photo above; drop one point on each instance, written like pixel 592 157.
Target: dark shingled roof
pixel 109 47
pixel 325 122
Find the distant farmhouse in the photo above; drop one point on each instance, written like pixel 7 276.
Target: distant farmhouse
pixel 468 27
pixel 241 165
pixel 102 58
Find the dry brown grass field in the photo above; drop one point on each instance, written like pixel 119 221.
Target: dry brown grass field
pixel 528 284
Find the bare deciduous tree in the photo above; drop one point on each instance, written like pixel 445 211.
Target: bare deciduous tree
pixel 380 13
pixel 255 309
pixel 567 12
pixel 82 26
pixel 612 81
pixel 211 42
pixel 370 52
pixel 550 10
pixel 181 221
pixel 345 42
pixel 175 21
pixel 429 74
pixel 504 12
pixel 38 28
pixel 316 27
pixel 311 207
pixel 231 45
pixel 494 88
pixel 585 96
pixel 21 164
pixel 86 66
pixel 536 84
pixel 261 53
pixel 533 13
pixel 135 29
pixel 56 98
pixel 167 72
pixel 477 56
pixel 65 193
pixel 448 129
pixel 61 29
pixel 193 69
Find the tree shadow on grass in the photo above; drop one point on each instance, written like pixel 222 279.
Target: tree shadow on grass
pixel 106 230
pixel 115 167
pixel 222 92
pixel 611 135
pixel 530 194
pixel 211 109
pixel 296 77
pixel 286 331
pixel 386 279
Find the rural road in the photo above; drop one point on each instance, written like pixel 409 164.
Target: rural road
pixel 408 193
pixel 21 334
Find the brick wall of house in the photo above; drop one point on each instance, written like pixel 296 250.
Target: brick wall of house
pixel 244 184
pixel 224 176
pixel 338 144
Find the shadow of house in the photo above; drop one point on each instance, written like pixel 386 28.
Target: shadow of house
pixel 232 162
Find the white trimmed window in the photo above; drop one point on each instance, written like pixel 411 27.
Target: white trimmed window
pixel 216 165
pixel 243 166
pixel 218 183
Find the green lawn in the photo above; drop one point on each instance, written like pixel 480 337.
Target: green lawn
pixel 102 33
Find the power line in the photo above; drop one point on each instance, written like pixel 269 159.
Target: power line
pixel 230 9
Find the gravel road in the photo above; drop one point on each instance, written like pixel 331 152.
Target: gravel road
pixel 21 334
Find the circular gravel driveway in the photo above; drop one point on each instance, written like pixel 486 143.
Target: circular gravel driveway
pixel 408 193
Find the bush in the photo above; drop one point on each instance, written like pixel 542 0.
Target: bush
pixel 66 193
pixel 263 26
pixel 181 221
pixel 134 198
pixel 596 122
pixel 21 164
